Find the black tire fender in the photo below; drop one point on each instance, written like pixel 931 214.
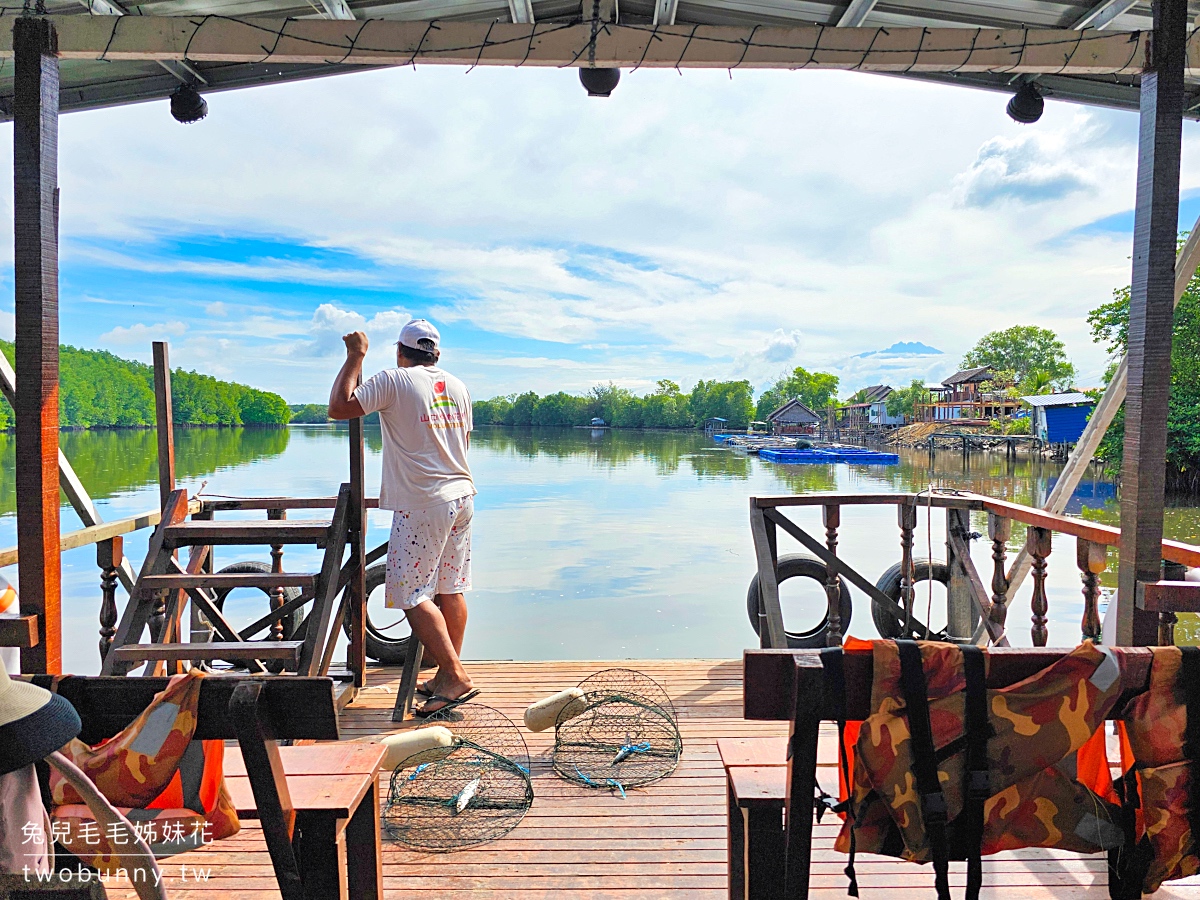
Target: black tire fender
pixel 888 625
pixel 801 565
pixel 382 647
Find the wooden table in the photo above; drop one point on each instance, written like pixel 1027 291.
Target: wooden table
pixel 335 793
pixel 756 791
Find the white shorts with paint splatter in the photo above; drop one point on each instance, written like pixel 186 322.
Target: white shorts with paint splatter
pixel 429 552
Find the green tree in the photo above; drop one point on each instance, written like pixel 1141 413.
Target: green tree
pixel 903 401
pixel 1023 350
pixel 816 390
pixel 561 409
pixel 98 389
pixel 607 400
pixel 1110 324
pixel 521 411
pixel 729 400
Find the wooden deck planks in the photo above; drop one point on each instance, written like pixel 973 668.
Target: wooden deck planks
pixel 666 840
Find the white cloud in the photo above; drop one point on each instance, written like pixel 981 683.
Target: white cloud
pixel 216 309
pixel 8 324
pixel 710 219
pixel 330 323
pixel 140 335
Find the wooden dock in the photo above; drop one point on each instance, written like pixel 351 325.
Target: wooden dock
pixel 665 840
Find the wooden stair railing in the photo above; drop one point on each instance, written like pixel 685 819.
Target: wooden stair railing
pixel 164 587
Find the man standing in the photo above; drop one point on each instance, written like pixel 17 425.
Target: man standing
pixel 425 416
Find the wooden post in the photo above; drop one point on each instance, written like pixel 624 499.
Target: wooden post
pixel 35 275
pixel 1092 559
pixel 356 653
pixel 999 531
pixel 164 419
pixel 832 518
pixel 906 513
pixel 1151 315
pixel 771 634
pixel 1039 541
pixel 961 616
pixel 277 595
pixel 109 555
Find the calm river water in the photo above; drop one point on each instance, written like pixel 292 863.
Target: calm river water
pixel 588 544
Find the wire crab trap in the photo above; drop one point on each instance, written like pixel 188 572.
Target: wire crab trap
pixel 622 733
pixel 474 790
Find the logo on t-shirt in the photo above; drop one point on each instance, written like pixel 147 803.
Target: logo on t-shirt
pixel 441 400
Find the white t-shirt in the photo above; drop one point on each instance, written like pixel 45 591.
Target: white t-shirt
pixel 425 415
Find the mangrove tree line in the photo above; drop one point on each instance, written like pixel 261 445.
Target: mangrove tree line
pixel 100 390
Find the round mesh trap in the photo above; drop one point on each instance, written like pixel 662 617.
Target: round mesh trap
pixel 626 736
pixel 476 791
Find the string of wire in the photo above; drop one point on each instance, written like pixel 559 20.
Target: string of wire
pixel 354 48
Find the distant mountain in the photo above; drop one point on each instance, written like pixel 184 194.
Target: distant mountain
pixel 903 348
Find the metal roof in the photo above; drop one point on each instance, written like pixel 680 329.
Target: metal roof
pixel 89 84
pixel 1070 398
pixel 794 403
pixel 968 375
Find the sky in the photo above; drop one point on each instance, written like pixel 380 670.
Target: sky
pixel 693 225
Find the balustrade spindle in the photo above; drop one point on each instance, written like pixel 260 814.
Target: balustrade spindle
pixel 1039 545
pixel 277 595
pixel 833 585
pixel 1092 559
pixel 907 516
pixel 108 557
pixel 158 617
pixel 999 531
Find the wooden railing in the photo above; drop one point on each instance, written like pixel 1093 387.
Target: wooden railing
pixel 972 409
pixel 975 613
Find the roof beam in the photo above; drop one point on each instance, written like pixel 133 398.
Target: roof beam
pixel 1103 13
pixel 521 11
pixel 385 42
pixel 182 72
pixel 337 9
pixel 855 13
pixel 665 11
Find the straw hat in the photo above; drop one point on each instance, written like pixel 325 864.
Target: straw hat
pixel 33 723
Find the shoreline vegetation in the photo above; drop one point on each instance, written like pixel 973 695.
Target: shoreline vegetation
pixel 98 390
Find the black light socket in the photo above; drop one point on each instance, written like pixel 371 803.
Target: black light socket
pixel 1026 105
pixel 599 82
pixel 187 106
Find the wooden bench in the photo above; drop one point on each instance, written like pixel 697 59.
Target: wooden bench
pixel 335 792
pixel 313 812
pixel 789 685
pixel 756 791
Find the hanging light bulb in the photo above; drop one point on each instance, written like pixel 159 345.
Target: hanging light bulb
pixel 599 82
pixel 1026 105
pixel 187 106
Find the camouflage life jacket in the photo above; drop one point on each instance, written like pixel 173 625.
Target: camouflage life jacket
pixel 945 768
pixel 169 785
pixel 1160 747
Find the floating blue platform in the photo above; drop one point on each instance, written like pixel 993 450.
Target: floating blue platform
pixel 860 456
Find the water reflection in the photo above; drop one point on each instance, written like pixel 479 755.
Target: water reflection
pixel 589 544
pixel 110 462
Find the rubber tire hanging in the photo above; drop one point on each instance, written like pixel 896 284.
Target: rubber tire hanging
pixel 801 565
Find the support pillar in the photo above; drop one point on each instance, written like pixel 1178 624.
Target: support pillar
pixel 1151 313
pixel 35 274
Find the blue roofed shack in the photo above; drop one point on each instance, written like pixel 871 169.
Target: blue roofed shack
pixel 1060 418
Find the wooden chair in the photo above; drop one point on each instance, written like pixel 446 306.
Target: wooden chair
pixel 323 843
pixel 789 686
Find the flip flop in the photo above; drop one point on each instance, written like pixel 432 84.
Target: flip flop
pixel 450 703
pixel 423 691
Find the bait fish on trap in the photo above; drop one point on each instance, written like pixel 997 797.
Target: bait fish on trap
pixel 467 789
pixel 621 732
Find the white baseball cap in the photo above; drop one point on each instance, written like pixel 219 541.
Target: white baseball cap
pixel 417 332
